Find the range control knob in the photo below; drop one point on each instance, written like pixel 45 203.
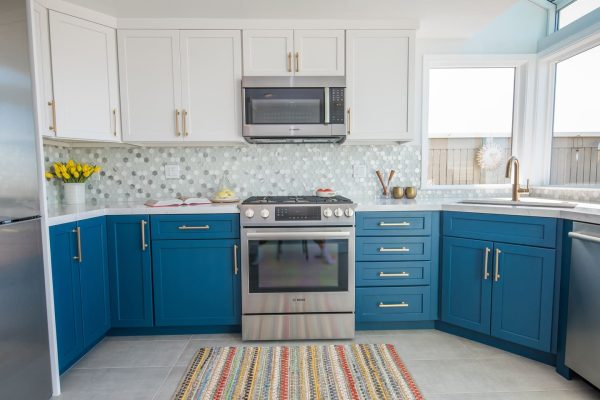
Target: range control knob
pixel 249 213
pixel 327 212
pixel 349 212
pixel 264 213
pixel 338 212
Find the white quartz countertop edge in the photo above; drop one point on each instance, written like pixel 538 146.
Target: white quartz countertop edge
pixel 58 214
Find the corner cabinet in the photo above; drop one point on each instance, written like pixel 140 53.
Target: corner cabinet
pixel 81 289
pixel 380 84
pixel 494 286
pixel 191 93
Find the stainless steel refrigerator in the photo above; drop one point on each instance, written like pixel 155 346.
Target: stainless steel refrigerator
pixel 24 348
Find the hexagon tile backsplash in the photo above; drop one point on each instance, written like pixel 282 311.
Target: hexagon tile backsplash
pixel 137 173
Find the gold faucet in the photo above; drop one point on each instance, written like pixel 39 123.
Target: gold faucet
pixel 516 187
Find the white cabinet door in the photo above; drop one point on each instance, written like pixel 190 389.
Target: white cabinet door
pixel 379 66
pixel 319 52
pixel 84 71
pixel 150 76
pixel 43 71
pixel 268 52
pixel 211 66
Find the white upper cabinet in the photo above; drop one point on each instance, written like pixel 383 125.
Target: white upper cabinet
pixel 85 79
pixel 379 73
pixel 150 76
pixel 43 71
pixel 319 52
pixel 308 52
pixel 268 52
pixel 211 66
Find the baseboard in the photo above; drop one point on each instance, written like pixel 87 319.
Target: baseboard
pixel 174 330
pixel 378 326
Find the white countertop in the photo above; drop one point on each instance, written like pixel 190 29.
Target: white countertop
pixel 584 212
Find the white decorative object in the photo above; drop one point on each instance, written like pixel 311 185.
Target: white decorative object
pixel 74 193
pixel 490 156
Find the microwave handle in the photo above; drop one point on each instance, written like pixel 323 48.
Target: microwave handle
pixel 326 105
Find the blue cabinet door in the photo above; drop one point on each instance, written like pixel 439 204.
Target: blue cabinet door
pixel 93 278
pixel 466 289
pixel 67 296
pixel 130 271
pixel 523 293
pixel 195 282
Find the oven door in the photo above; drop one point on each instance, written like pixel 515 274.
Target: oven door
pixel 297 270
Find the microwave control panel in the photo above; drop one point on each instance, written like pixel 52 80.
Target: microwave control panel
pixel 336 106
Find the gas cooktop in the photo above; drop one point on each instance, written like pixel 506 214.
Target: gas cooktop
pixel 296 200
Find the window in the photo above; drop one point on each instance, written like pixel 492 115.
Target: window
pixel 575 10
pixel 576 133
pixel 469 124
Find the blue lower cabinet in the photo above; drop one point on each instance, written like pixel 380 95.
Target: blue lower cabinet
pixel 130 271
pixel 466 288
pixel 393 273
pixel 523 295
pixel 81 291
pixel 392 304
pixel 196 282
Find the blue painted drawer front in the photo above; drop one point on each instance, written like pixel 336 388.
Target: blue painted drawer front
pixel 195 282
pixel 130 271
pixel 533 231
pixel 393 248
pixel 204 226
pixel 392 273
pixel 371 302
pixel 393 224
pixel 523 296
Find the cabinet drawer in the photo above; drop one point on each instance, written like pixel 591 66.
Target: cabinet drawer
pixel 393 248
pixel 393 224
pixel 392 304
pixel 392 273
pixel 206 226
pixel 534 231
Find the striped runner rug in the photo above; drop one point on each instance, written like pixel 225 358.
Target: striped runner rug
pixel 357 371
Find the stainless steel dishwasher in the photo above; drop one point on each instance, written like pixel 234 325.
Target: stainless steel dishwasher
pixel 583 323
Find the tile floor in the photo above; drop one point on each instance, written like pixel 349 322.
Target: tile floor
pixel 444 367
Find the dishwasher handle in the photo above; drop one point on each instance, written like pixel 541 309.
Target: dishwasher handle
pixel 583 236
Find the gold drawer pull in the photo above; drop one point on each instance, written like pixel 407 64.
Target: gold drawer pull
pixel 398 305
pixel 382 223
pixel 401 275
pixel 486 273
pixel 497 272
pixel 192 228
pixel 400 250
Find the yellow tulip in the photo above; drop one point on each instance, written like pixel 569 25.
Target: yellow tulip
pixel 79 168
pixel 70 163
pixel 49 175
pixel 97 168
pixel 86 174
pixel 75 174
pixel 66 176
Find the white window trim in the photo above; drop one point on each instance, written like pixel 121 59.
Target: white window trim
pixel 545 100
pixel 525 69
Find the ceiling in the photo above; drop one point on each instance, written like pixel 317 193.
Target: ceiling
pixel 437 18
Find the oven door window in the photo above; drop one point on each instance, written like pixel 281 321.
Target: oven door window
pixel 298 265
pixel 285 106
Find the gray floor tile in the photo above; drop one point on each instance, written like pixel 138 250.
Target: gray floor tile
pixel 149 337
pixel 170 384
pixel 543 395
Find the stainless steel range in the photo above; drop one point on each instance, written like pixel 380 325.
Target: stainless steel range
pixel 297 268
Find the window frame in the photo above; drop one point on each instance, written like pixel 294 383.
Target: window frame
pixel 524 90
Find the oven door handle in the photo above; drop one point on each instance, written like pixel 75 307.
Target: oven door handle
pixel 297 235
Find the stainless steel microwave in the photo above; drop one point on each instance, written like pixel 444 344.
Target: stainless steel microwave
pixel 299 109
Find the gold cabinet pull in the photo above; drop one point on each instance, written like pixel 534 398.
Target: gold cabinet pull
pixel 486 272
pixel 297 61
pixel 143 228
pixel 399 250
pixel 79 256
pixel 177 131
pixel 289 62
pixel 184 115
pixel 192 228
pixel 394 305
pixel 382 223
pixel 52 104
pixel 348 122
pixel 235 259
pixel 394 275
pixel 115 121
pixel 496 272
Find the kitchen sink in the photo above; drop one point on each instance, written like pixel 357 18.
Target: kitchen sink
pixel 524 202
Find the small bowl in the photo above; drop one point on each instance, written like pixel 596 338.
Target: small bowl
pixel 410 192
pixel 398 192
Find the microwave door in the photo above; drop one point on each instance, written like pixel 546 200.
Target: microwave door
pixel 284 106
